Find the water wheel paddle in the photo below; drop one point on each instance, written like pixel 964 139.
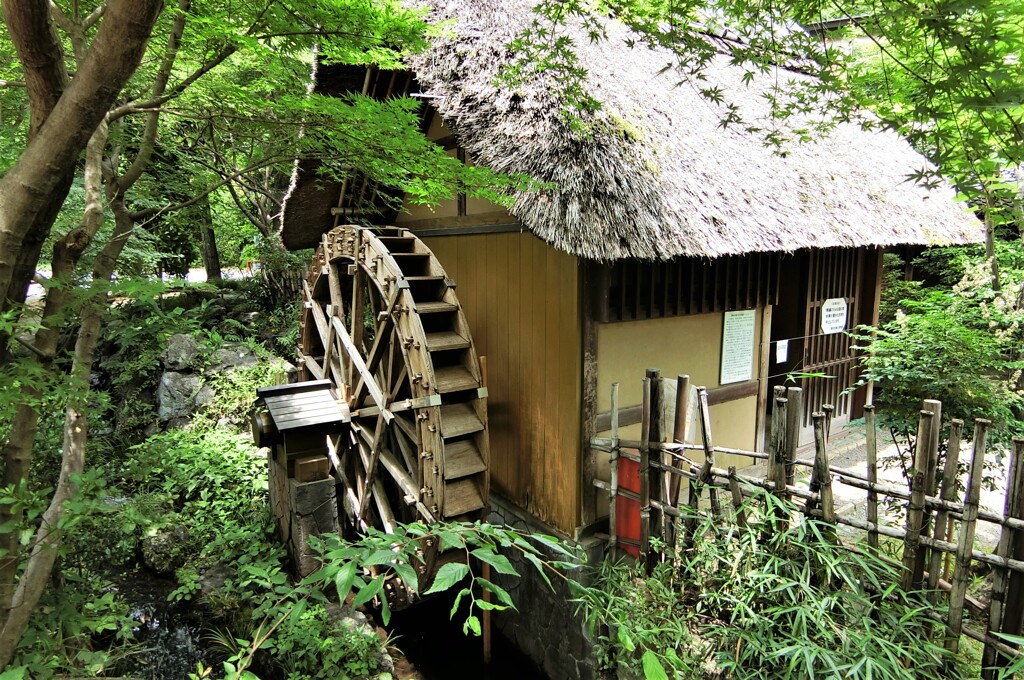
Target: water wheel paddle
pixel 381 321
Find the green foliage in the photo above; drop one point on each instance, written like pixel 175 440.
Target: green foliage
pixel 644 617
pixel 80 626
pixel 757 603
pixel 137 331
pixel 957 345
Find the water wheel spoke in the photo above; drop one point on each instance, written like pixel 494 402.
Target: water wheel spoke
pixel 381 322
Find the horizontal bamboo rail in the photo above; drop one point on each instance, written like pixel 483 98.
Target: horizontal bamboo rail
pixel 932 512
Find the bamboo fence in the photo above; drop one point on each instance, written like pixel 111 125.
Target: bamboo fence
pixel 937 535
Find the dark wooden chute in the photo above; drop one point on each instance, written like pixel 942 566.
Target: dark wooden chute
pixel 381 321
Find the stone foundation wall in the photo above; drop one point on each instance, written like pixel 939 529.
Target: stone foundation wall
pixel 545 627
pixel 302 510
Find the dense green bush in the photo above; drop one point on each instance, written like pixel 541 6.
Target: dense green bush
pixel 755 603
pixel 958 341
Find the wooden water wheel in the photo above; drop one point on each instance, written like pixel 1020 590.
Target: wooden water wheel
pixel 381 321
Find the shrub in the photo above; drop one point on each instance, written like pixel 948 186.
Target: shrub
pixel 755 603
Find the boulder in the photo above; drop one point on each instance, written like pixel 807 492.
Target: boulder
pixel 164 551
pixel 231 357
pixel 182 352
pixel 176 395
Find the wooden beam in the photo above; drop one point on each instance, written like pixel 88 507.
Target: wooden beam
pixel 380 341
pixel 630 415
pixel 589 300
pixel 360 367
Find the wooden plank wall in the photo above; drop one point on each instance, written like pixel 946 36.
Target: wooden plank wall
pixel 521 298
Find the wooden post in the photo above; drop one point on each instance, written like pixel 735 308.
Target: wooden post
pixel 913 564
pixel 356 332
pixel 794 413
pixel 737 497
pixel 593 289
pixel 679 432
pixel 1007 587
pixel 999 575
pixel 763 361
pixel 645 475
pixel 777 443
pixel 485 570
pixel 654 483
pixel 1013 618
pixel 821 478
pixel 955 620
pixel 871 442
pixel 709 450
pixel 613 537
pixel 931 478
pixel 947 492
pixel 679 429
pixel 828 410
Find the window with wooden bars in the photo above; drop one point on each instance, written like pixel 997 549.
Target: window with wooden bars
pixel 638 289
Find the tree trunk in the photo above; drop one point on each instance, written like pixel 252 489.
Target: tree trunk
pixel 208 247
pixel 17 450
pixel 76 427
pixel 35 179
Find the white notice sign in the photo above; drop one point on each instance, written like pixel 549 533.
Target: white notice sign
pixel 737 347
pixel 782 351
pixel 833 315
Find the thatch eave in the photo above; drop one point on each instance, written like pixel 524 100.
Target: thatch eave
pixel 658 177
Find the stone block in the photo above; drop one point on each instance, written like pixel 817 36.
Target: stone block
pixel 308 497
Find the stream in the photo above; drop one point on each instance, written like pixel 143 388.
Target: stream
pixel 439 650
pixel 169 632
pixel 172 639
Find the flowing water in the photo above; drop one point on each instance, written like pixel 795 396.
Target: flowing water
pixel 439 650
pixel 169 632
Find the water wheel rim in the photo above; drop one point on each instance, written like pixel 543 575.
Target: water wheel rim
pixel 439 427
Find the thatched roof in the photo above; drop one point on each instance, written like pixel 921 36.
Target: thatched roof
pixel 660 177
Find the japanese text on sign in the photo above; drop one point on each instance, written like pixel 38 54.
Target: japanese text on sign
pixel 833 315
pixel 737 347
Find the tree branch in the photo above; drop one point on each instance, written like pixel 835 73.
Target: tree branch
pixel 132 174
pixel 153 213
pixel 41 55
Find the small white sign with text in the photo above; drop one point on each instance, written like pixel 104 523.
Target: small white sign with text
pixel 737 347
pixel 833 315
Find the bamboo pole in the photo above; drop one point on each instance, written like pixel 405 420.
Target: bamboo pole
pixel 828 410
pixel 777 444
pixel 1013 617
pixel 821 480
pixel 655 483
pixel 1005 612
pixel 955 619
pixel 737 497
pixel 709 450
pixel 679 433
pixel 794 414
pixel 1000 576
pixel 614 490
pixel 915 507
pixel 934 407
pixel 947 492
pixel 645 477
pixel 871 442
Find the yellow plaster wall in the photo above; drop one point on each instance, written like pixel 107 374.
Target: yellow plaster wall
pixel 685 345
